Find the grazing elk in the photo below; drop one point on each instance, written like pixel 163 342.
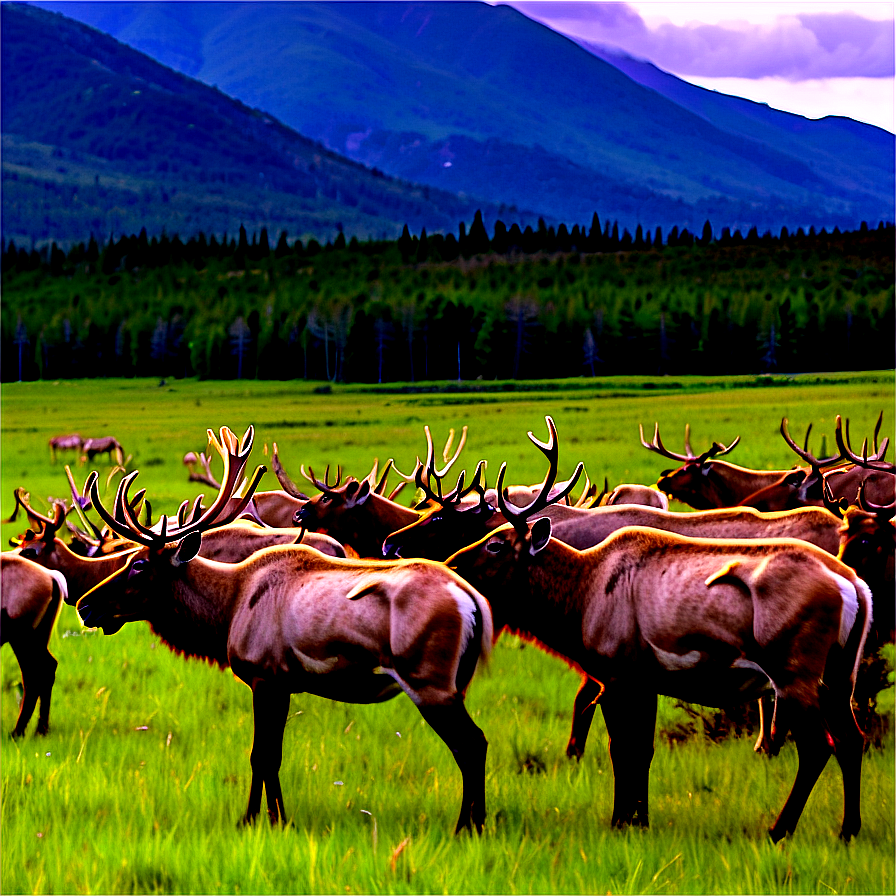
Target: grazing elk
pixel 103 445
pixel 708 621
pixel 69 442
pixel 30 600
pixel 289 620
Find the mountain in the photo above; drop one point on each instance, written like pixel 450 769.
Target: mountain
pixel 99 138
pixel 479 100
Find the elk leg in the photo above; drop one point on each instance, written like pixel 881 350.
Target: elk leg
pixel 468 745
pixel 630 719
pixel 849 745
pixel 271 707
pixel 582 716
pixel 49 665
pixel 814 746
pixel 31 684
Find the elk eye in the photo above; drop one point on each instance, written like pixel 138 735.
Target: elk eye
pixel 324 499
pixel 137 567
pixel 495 547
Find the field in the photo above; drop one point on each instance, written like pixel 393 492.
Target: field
pixel 139 785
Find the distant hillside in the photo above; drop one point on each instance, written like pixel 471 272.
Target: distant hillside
pixel 480 100
pixel 98 138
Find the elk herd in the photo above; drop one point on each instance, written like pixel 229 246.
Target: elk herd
pixel 775 586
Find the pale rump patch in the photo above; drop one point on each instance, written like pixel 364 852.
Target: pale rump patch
pixel 467 609
pixel 60 581
pixel 850 607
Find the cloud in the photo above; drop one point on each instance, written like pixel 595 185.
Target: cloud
pixel 795 47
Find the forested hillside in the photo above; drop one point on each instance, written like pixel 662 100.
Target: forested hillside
pixel 98 138
pixel 516 304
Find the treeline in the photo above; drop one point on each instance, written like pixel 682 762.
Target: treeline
pixel 519 303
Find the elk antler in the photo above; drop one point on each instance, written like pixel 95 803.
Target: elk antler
pixel 52 525
pixel 124 519
pixel 875 461
pixel 325 485
pixel 519 516
pixel 885 511
pixel 717 449
pixel 803 452
pixel 283 477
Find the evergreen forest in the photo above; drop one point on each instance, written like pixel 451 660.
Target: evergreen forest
pixel 541 302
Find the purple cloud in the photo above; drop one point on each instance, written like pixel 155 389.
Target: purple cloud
pixel 800 47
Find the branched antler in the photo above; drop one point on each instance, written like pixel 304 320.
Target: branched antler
pixel 717 449
pixel 124 521
pixel 547 496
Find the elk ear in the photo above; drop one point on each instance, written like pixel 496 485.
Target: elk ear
pixel 357 494
pixel 188 548
pixel 540 534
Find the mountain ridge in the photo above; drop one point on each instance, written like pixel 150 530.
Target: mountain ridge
pixel 479 101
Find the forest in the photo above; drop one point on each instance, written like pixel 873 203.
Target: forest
pixel 536 302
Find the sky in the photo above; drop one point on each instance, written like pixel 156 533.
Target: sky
pixel 812 58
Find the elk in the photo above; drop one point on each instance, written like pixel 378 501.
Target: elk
pixel 632 493
pixel 801 487
pixel 452 525
pixel 30 600
pixel 451 521
pixel 69 442
pixel 709 621
pixel 355 513
pixel 103 445
pixel 289 620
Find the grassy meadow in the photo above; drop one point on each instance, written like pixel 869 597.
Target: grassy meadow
pixel 140 783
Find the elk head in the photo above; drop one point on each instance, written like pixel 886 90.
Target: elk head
pixel 694 482
pixel 126 595
pixel 502 555
pixel 868 545
pixel 41 538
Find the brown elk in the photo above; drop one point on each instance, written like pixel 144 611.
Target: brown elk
pixel 30 600
pixel 802 487
pixel 633 493
pixel 708 621
pixel 69 442
pixel 289 620
pixel 451 522
pixel 103 445
pixel 355 513
pixel 451 526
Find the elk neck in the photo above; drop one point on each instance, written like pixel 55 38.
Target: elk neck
pixel 193 614
pixel 546 601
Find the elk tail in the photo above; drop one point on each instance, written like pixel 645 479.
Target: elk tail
pixel 855 621
pixel 479 636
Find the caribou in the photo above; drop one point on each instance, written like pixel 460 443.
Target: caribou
pixel 30 600
pixel 710 621
pixel 290 620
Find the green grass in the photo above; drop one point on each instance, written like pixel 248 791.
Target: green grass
pixel 139 785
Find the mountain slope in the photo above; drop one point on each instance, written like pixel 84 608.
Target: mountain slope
pixel 98 137
pixel 479 99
